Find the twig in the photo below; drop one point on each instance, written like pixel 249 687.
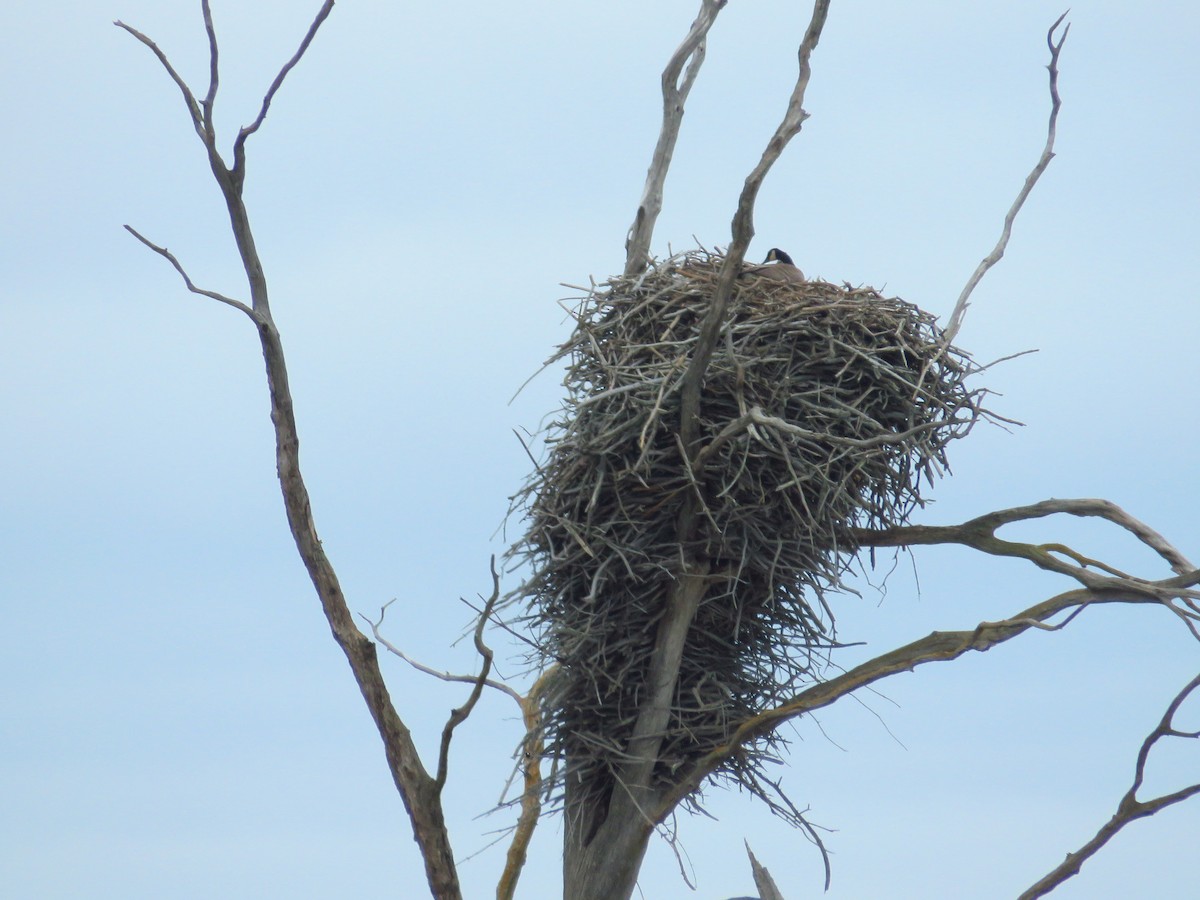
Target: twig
pixel 239 145
pixel 756 416
pixel 189 98
pixel 960 307
pixel 459 715
pixel 1130 808
pixel 170 257
pixel 376 632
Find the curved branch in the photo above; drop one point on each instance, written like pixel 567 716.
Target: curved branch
pixel 239 145
pixel 960 307
pixel 980 533
pixel 675 94
pixel 531 795
pixel 939 646
pixel 459 715
pixel 1129 809
pixel 391 648
pixel 1173 593
pixel 532 745
pixel 170 257
pixel 189 98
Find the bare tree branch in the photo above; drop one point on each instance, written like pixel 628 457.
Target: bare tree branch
pixel 189 98
pixel 214 77
pixel 1174 593
pixel 980 533
pixel 1130 808
pixel 459 715
pixel 239 145
pixel 377 633
pixel 939 646
pixel 675 94
pixel 170 257
pixel 531 748
pixel 419 791
pixel 960 307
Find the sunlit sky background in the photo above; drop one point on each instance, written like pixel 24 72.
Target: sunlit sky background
pixel 177 721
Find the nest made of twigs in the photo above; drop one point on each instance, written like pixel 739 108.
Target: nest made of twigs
pixel 824 408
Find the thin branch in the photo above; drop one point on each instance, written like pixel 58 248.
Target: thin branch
pixel 239 145
pixel 980 533
pixel 170 257
pixel 1129 809
pixel 1173 593
pixel 939 646
pixel 213 75
pixel 532 745
pixel 960 307
pixel 675 94
pixel 376 632
pixel 188 97
pixel 459 715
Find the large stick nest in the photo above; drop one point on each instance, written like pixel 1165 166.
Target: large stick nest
pixel 823 408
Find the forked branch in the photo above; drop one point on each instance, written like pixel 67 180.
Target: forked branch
pixel 1176 594
pixel 675 94
pixel 419 791
pixel 1130 808
pixel 531 747
pixel 377 634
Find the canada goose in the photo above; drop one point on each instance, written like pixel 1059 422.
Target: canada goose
pixel 778 266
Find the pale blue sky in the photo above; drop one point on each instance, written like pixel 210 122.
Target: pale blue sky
pixel 177 721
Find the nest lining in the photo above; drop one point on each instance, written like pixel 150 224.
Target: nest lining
pixel 824 408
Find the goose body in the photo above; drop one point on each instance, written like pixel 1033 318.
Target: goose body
pixel 778 266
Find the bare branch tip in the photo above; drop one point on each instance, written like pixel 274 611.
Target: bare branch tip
pixel 1056 46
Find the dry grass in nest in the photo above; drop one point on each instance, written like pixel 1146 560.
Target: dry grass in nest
pixel 824 408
